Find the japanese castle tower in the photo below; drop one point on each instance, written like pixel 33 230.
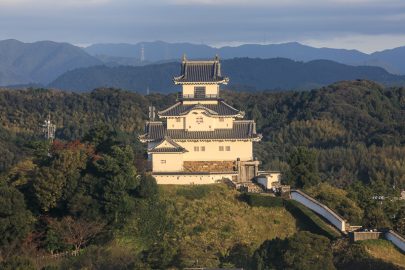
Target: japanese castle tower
pixel 201 139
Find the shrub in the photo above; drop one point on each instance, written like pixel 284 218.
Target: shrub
pixel 148 187
pixel 262 200
pixel 310 221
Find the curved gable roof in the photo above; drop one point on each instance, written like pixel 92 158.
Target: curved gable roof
pixel 219 109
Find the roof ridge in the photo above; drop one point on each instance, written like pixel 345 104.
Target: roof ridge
pixel 171 107
pixel 169 140
pixel 226 104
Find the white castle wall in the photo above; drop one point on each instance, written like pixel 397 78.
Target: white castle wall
pixel 396 239
pixel 320 209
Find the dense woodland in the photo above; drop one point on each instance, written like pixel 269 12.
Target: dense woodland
pixel 344 144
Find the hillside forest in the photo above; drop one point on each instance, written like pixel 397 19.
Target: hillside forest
pixel 88 193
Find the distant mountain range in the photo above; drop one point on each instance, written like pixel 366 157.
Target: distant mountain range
pixel 46 62
pixel 245 74
pixel 39 62
pixel 392 60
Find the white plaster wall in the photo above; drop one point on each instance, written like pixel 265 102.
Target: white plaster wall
pixel 207 124
pixel 238 149
pixel 188 102
pixel 190 179
pixel 326 213
pixel 398 241
pixel 174 162
pixel 173 123
pixel 268 180
pixel 227 122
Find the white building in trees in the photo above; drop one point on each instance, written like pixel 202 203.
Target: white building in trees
pixel 201 139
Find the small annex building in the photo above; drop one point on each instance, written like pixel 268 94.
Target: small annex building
pixel 201 139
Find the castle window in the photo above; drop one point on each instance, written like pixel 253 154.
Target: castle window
pixel 199 120
pixel 178 119
pixel 199 92
pixel 162 161
pixel 196 149
pixel 202 148
pixel 228 148
pixel 221 119
pixel 221 148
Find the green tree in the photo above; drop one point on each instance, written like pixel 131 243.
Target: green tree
pixel 308 251
pixel 119 182
pixel 375 218
pixel 48 187
pixel 15 220
pixel 303 250
pixel 102 137
pixel 238 256
pixel 303 169
pixel 148 187
pixel 17 263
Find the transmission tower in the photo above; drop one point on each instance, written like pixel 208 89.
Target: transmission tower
pixel 151 113
pixel 48 129
pixel 142 53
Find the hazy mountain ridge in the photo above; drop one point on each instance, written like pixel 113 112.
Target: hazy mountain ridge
pixel 159 50
pixel 245 74
pixel 39 62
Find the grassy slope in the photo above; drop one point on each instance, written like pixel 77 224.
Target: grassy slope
pixel 210 220
pixel 383 249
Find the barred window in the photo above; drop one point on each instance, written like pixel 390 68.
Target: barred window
pixel 228 148
pixel 221 148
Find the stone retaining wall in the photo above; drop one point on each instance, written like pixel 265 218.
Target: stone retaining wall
pixel 359 236
pixel 209 166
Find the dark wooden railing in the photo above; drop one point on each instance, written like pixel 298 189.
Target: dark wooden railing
pixel 198 96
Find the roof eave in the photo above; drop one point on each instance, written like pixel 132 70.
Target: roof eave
pixel 177 81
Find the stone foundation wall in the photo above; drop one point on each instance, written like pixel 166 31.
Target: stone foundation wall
pixel 209 166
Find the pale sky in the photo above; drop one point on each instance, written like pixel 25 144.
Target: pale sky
pixel 366 25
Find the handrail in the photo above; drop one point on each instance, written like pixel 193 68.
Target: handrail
pixel 192 96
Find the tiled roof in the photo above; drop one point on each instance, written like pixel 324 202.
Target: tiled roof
pixel 166 150
pixel 244 129
pixel 153 131
pixel 200 71
pixel 175 149
pixel 220 109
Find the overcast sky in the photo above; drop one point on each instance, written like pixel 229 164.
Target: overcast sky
pixel 366 25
